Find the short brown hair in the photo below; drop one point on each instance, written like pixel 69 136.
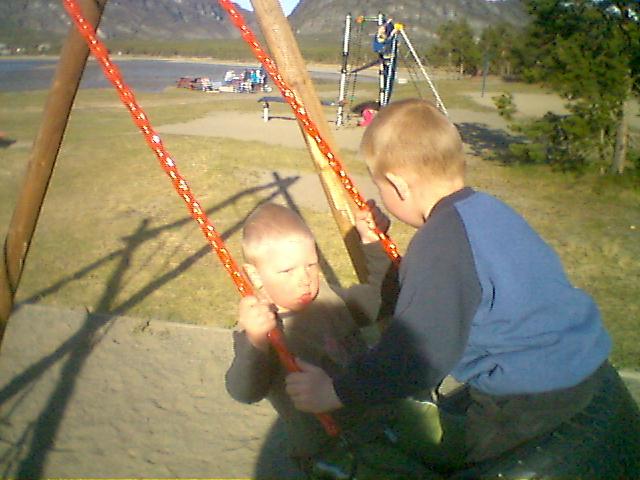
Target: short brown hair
pixel 270 223
pixel 414 136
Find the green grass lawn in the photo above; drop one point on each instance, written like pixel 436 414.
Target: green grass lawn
pixel 113 237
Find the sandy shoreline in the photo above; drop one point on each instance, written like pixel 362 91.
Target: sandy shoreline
pixel 174 59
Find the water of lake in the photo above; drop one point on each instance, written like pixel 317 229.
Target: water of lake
pixel 140 75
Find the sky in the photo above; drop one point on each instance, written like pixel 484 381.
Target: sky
pixel 287 5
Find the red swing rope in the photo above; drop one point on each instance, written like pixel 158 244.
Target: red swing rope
pixel 309 126
pixel 112 73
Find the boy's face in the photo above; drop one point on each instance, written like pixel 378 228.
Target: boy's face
pixel 289 272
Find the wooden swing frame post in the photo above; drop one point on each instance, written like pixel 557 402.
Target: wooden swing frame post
pixel 42 160
pixel 286 54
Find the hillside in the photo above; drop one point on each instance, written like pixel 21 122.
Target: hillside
pixel 142 19
pixel 199 19
pixel 421 17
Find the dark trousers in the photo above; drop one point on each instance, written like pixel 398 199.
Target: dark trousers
pixel 496 424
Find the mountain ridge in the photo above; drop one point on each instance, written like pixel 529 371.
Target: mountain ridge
pixel 143 19
pixel 199 19
pixel 420 17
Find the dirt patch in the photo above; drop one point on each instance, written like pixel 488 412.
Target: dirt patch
pixel 527 104
pixel 481 131
pixel 281 130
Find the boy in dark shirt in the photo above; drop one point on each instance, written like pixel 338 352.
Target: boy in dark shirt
pixel 321 324
pixel 482 297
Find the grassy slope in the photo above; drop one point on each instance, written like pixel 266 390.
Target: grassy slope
pixel 113 236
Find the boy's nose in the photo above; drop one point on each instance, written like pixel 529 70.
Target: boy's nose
pixel 305 278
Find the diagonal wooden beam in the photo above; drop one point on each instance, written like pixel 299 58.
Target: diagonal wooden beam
pixel 285 52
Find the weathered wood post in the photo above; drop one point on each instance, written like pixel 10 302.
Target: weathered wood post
pixel 285 52
pixel 43 158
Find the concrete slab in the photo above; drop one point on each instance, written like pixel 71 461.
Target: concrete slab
pixel 87 395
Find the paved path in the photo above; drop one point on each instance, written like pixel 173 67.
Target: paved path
pixel 95 396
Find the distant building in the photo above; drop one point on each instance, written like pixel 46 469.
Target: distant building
pixel 4 50
pixel 43 47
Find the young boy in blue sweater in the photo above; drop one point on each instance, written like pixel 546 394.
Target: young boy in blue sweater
pixel 481 298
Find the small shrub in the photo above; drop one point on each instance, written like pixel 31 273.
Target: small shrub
pixel 506 107
pixel 562 141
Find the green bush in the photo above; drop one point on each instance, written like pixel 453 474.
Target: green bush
pixel 565 142
pixel 504 104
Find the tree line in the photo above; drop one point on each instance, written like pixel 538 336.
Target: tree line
pixel 588 51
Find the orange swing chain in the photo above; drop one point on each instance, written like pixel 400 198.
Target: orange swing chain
pixel 112 73
pixel 139 117
pixel 301 114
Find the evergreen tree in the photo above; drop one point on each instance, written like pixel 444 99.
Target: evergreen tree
pixel 457 46
pixel 496 44
pixel 588 51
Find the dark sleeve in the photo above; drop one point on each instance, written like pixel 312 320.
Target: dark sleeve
pixel 249 377
pixel 429 329
pixel 378 263
pixel 363 300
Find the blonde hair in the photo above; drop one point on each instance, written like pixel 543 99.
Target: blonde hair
pixel 413 136
pixel 270 223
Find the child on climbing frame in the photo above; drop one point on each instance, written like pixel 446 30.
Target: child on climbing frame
pixel 481 297
pixel 321 324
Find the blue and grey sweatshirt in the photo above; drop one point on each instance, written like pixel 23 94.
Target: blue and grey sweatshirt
pixel 485 299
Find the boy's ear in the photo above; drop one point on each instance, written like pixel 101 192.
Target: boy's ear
pixel 399 184
pixel 254 276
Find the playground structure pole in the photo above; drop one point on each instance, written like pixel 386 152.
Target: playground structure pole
pixel 286 54
pixel 381 67
pixel 485 68
pixel 439 102
pixel 390 70
pixel 343 70
pixel 43 158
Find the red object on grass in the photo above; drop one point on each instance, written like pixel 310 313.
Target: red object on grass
pixel 367 116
